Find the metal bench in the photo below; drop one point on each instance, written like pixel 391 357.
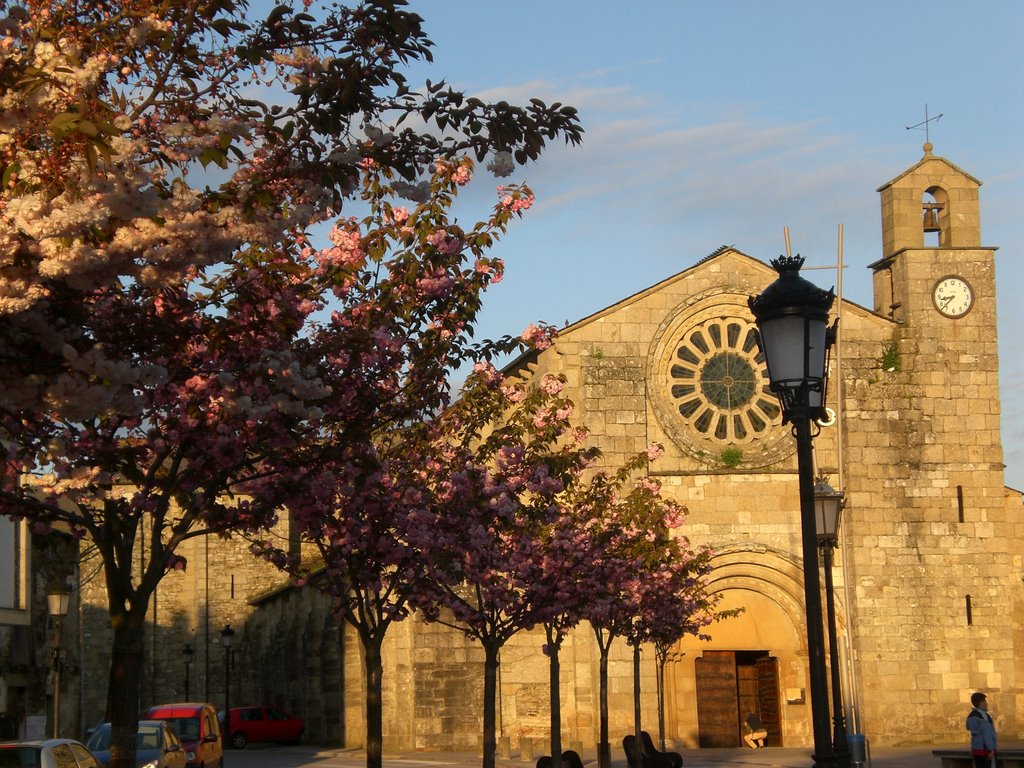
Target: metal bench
pixel 961 758
pixel 641 753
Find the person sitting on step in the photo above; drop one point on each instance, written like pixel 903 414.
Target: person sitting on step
pixel 756 734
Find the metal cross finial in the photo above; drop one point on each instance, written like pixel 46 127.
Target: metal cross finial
pixel 925 123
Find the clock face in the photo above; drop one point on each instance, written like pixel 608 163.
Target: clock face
pixel 953 296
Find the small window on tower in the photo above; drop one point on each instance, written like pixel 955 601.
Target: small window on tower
pixel 935 218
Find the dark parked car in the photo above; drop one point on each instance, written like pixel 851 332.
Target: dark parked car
pixel 46 753
pixel 156 745
pixel 262 724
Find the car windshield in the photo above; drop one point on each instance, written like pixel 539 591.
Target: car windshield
pixel 19 757
pixel 148 737
pixel 100 739
pixel 187 728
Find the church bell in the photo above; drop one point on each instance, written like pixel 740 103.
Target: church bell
pixel 931 217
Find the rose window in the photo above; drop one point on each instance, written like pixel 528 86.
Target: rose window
pixel 719 384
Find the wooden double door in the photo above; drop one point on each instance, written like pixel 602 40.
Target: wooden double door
pixel 730 684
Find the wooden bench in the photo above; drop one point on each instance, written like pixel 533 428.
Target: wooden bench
pixel 961 758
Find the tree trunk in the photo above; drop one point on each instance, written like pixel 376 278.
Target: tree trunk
pixel 491 649
pixel 554 678
pixel 374 669
pixel 661 661
pixel 604 747
pixel 123 688
pixel 636 690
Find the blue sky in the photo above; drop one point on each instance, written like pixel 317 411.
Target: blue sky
pixel 723 122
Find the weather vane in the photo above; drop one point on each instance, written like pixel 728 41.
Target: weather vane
pixel 925 122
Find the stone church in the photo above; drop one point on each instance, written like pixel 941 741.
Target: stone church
pixel 929 569
pixel 928 572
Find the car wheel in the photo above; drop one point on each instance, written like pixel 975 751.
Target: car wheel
pixel 238 740
pixel 298 737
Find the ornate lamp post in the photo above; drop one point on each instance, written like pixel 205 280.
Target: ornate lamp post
pixel 828 504
pixel 227 639
pixel 187 653
pixel 57 601
pixel 792 321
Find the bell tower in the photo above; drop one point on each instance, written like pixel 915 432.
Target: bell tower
pixel 934 526
pixel 929 210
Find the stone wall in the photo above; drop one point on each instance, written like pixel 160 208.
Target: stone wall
pixel 26 648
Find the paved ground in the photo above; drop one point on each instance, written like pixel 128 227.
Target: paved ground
pixel 317 757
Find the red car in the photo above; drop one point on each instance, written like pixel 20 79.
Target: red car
pixel 262 724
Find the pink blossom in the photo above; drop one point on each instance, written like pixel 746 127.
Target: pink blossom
pixel 514 394
pixel 516 203
pixel 651 485
pixel 551 385
pixel 436 286
pixel 445 242
pixel 538 337
pixel 487 372
pixel 494 268
pixel 347 250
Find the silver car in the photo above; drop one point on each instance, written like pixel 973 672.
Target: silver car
pixel 156 745
pixel 46 753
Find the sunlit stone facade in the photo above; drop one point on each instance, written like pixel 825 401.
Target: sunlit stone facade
pixel 928 574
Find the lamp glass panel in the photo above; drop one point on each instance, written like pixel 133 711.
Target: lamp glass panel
pixel 57 603
pixel 827 506
pixel 817 346
pixel 783 341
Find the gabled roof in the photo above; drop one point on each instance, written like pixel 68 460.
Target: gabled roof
pixel 527 358
pixel 929 157
pixel 722 251
pixel 719 253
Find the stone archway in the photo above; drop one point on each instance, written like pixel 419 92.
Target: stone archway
pixel 769 634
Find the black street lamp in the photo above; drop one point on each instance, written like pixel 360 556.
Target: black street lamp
pixel 227 639
pixel 828 504
pixel 794 336
pixel 187 653
pixel 57 601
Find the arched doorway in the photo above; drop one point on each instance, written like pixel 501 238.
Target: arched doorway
pixel 754 662
pixel 731 684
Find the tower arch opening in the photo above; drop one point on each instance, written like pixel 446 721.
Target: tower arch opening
pixel 935 213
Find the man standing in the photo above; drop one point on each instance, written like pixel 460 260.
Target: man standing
pixel 983 732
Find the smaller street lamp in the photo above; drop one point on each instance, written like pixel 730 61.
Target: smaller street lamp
pixel 58 599
pixel 187 653
pixel 828 505
pixel 227 639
